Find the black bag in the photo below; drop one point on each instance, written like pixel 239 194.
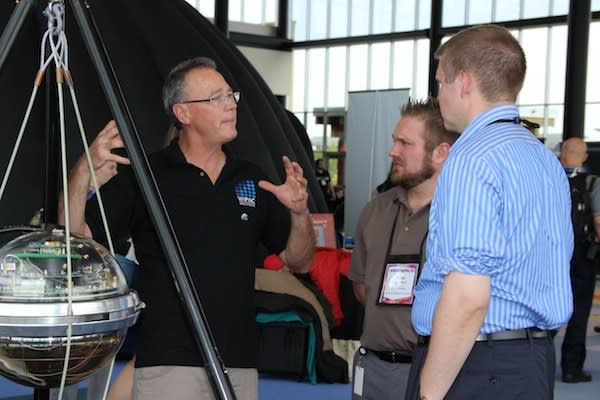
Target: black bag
pixel 581 212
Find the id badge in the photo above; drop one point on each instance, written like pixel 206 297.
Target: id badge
pixel 399 280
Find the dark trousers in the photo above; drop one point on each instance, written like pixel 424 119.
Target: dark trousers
pixel 583 282
pixel 498 370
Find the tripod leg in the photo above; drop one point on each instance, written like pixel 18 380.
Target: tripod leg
pixel 12 29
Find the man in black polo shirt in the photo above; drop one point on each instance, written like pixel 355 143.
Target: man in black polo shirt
pixel 221 209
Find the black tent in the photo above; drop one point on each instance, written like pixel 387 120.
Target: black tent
pixel 144 40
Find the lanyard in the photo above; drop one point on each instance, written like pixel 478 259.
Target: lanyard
pixel 515 120
pixel 389 246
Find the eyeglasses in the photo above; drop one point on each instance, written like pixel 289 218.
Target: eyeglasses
pixel 218 100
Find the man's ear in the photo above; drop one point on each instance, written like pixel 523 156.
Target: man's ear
pixel 181 112
pixel 466 82
pixel 440 153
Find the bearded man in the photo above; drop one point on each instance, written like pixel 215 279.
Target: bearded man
pixel 386 259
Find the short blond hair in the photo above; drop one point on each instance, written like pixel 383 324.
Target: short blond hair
pixel 492 54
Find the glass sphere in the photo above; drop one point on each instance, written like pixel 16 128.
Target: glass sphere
pixel 45 316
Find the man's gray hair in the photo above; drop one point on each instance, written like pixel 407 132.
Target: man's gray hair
pixel 174 86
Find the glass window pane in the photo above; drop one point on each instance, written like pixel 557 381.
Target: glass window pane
pixel 554 121
pixel 480 12
pixel 205 7
pixel 298 82
pixel 360 18
pixel 380 66
pixel 298 20
pixel 338 20
pixel 592 91
pixel 536 8
pixel 405 15
pixel 403 64
pixel 595 5
pixel 235 10
pixel 253 12
pixel 336 89
pixel 507 10
pixel 424 15
pixel 315 132
pixel 382 16
pixel 421 85
pixel 560 7
pixel 453 13
pixel 318 20
pixel 271 12
pixel 592 122
pixel 557 65
pixel 534 43
pixel 316 77
pixel 358 67
pixel 552 127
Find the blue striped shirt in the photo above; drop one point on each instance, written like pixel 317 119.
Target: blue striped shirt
pixel 502 208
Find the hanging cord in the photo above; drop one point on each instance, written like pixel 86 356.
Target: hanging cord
pixel 60 55
pixel 54 38
pixel 69 82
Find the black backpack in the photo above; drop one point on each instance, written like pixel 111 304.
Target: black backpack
pixel 581 211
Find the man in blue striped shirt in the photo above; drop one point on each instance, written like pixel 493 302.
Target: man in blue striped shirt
pixel 495 286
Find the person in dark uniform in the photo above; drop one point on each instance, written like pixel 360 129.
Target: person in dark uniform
pixel 324 180
pixel 585 189
pixel 221 208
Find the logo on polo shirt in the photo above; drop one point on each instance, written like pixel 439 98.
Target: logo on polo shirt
pixel 246 193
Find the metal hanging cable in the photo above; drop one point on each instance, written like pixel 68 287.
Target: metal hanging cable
pixel 54 40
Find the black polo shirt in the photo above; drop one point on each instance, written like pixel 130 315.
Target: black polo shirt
pixel 218 227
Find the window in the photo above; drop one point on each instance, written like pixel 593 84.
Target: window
pixel 380 66
pixel 298 20
pixel 336 77
pixel 338 19
pixel 318 20
pixel 534 43
pixel 360 16
pixel 315 92
pixel 359 55
pixel 479 12
pixel 404 63
pixel 405 16
pixel 298 80
pixel 381 16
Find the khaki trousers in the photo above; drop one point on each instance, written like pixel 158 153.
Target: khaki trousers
pixel 182 383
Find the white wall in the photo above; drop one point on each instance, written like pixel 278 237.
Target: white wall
pixel 275 67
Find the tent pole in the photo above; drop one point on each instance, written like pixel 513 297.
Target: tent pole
pixel 217 373
pixel 12 29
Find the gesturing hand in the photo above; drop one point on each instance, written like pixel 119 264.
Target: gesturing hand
pixel 104 161
pixel 292 193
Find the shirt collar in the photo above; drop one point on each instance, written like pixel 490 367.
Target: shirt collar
pixel 401 196
pixel 175 155
pixel 489 116
pixel 574 171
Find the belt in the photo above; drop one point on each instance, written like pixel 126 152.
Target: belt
pixel 390 356
pixel 518 334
